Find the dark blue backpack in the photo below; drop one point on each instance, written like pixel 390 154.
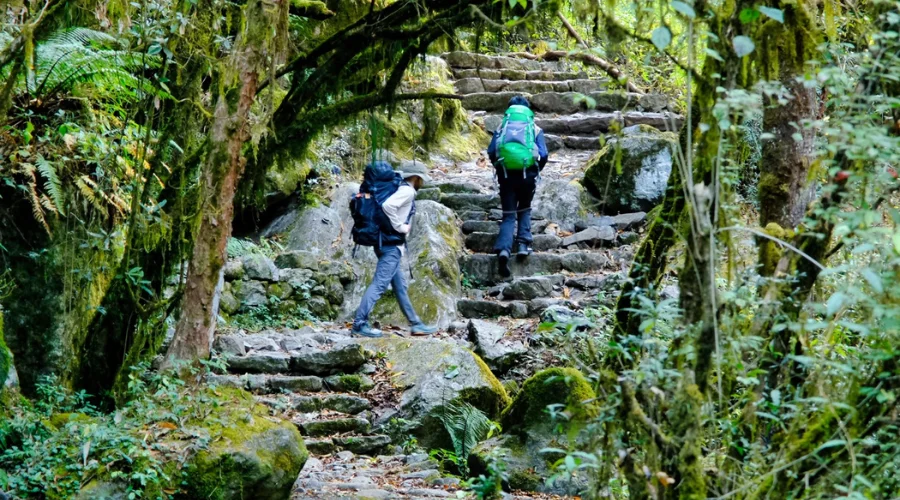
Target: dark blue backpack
pixel 371 226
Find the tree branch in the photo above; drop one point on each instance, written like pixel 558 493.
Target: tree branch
pixel 605 65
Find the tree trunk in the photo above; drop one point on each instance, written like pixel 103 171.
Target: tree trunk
pixel 221 172
pixel 784 188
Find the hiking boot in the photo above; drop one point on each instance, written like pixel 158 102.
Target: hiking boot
pixel 524 250
pixel 366 331
pixel 503 263
pixel 421 329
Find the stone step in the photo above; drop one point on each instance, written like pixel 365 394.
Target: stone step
pixel 360 445
pixel 482 268
pixel 486 309
pixel 594 123
pixel 344 475
pixel 493 226
pixel 517 74
pixel 622 222
pixel 309 403
pixel 471 201
pixel 556 143
pixel 475 85
pixel 484 242
pixel 319 427
pixel 340 359
pixel 268 384
pixel 469 60
pixel 565 103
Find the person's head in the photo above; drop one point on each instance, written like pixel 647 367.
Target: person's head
pixel 519 101
pixel 415 173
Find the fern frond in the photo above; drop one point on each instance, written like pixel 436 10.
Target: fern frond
pixel 52 184
pixel 81 36
pixel 48 205
pixel 36 207
pixel 82 55
pixel 83 184
pixel 467 426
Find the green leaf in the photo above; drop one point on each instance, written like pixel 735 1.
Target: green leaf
pixel 834 303
pixel 715 55
pixel 748 16
pixel 833 443
pixel 661 37
pixel 154 49
pixel 742 45
pixel 684 9
pixel 772 13
pixel 874 280
pixel 896 241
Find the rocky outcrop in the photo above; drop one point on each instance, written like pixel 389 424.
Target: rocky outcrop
pixel 298 283
pixel 636 181
pixel 433 374
pixel 529 431
pixel 320 236
pixel 249 451
pixel 561 201
pixel 499 352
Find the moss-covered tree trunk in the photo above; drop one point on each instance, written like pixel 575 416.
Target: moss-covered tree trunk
pixel 263 26
pixel 784 185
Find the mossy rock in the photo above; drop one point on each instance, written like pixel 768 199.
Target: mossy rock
pixel 565 386
pixel 434 373
pixel 250 455
pixel 631 172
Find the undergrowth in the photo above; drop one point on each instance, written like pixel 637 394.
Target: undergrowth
pixel 59 443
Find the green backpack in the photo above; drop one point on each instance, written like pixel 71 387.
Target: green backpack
pixel 516 146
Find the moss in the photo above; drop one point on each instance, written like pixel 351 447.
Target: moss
pixel 352 383
pixel 770 252
pixel 524 480
pixel 497 387
pixel 566 386
pixel 511 386
pixel 238 431
pixel 59 420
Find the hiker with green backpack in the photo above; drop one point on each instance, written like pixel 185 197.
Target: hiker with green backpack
pixel 518 152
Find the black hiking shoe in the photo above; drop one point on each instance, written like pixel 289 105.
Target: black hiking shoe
pixel 503 263
pixel 524 250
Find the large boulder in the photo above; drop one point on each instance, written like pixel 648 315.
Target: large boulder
pixel 499 352
pixel 561 201
pixel 433 374
pixel 529 431
pixel 321 235
pixel 638 181
pixel 248 452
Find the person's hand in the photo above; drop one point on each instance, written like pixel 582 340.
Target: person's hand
pixel 404 229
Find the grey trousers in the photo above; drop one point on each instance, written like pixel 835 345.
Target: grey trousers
pixel 387 272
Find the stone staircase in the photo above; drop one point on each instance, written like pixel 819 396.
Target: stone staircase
pixel 568 268
pixel 317 380
pixel 574 111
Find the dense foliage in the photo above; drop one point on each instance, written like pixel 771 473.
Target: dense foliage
pixel 131 132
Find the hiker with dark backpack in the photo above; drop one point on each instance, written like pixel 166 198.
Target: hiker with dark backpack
pixel 382 213
pixel 518 152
